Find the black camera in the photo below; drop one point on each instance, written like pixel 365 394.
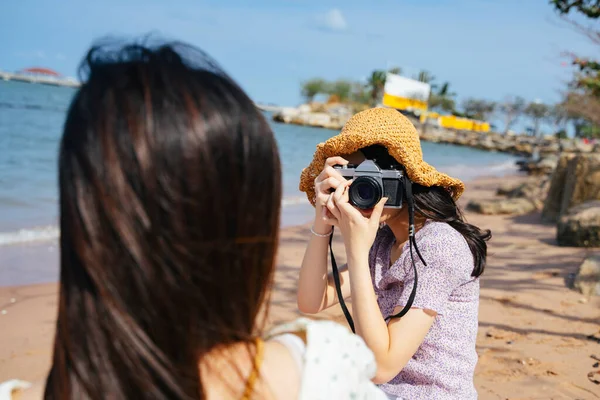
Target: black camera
pixel 371 183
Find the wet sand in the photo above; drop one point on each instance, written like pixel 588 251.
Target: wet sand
pixel 533 338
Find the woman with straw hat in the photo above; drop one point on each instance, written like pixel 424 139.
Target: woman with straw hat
pixel 412 265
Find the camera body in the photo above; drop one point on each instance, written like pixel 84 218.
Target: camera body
pixel 371 183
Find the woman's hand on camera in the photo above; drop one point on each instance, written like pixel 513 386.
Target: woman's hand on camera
pixel 328 181
pixel 359 231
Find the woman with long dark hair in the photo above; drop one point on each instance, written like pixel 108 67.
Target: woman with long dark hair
pixel 413 262
pixel 170 193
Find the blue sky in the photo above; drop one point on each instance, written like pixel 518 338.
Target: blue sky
pixel 484 48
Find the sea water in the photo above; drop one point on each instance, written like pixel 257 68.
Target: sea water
pixel 31 121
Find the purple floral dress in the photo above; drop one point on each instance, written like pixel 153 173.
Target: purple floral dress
pixel 444 365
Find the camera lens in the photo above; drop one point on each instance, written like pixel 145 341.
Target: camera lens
pixel 365 192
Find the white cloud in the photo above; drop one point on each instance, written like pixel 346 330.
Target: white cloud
pixel 333 20
pixel 32 54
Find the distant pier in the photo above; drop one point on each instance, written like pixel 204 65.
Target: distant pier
pixel 31 76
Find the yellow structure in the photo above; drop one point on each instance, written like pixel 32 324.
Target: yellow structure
pixel 454 122
pixel 403 103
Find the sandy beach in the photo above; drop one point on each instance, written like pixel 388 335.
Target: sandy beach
pixel 536 337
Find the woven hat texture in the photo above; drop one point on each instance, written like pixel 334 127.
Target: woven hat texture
pixel 386 127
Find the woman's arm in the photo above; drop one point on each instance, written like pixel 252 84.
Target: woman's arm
pixel 316 287
pixel 316 290
pixel 392 344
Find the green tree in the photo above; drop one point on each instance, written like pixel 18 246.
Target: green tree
pixel 376 83
pixel 587 77
pixel 537 111
pixel 479 109
pixel 589 8
pixel 587 130
pixel 360 93
pixel 583 99
pixel 395 70
pixel 341 88
pixel 560 116
pixel 313 87
pixel 512 108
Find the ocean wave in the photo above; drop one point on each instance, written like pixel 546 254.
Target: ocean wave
pixel 37 234
pixel 294 200
pixel 29 106
pixel 50 233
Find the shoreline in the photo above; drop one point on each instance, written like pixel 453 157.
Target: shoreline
pixel 509 143
pixel 295 210
pixel 37 262
pixel 533 331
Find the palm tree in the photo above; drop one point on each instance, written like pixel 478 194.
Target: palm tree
pixel 425 76
pixel 441 103
pixel 443 99
pixel 445 90
pixel 376 83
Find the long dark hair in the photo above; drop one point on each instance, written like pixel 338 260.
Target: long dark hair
pixel 437 204
pixel 170 192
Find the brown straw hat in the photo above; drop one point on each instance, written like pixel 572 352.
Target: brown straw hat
pixel 386 127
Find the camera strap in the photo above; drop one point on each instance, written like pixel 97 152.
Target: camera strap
pixel 412 242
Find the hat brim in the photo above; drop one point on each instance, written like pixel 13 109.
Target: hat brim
pixel 349 142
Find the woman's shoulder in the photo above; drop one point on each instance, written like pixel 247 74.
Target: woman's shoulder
pixel 336 363
pixel 326 337
pixel 441 237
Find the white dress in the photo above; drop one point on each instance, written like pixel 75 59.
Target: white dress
pixel 335 363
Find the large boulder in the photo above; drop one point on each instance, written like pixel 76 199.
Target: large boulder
pixel 506 189
pixel 583 147
pixel 286 114
pixel 516 206
pixel 575 180
pixel 544 166
pixel 587 280
pixel 534 190
pixel 582 181
pixel 553 202
pixel 303 115
pixel 550 148
pixel 567 145
pixel 580 226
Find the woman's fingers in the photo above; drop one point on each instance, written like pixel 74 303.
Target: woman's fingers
pixel 328 218
pixel 377 211
pixel 341 200
pixel 327 184
pixel 331 161
pixel 332 207
pixel 340 192
pixel 329 172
